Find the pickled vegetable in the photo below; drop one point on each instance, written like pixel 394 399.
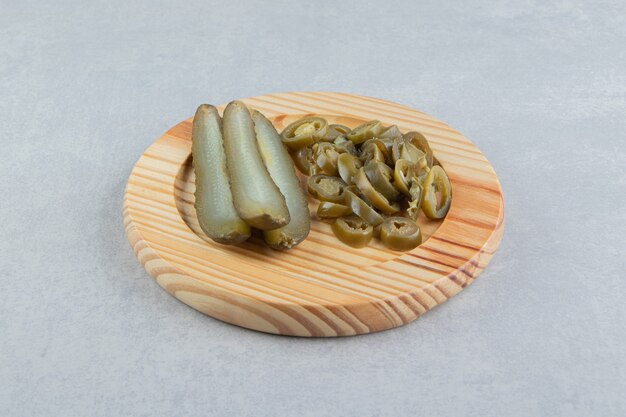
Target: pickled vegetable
pixel 334 131
pixel 383 173
pixel 256 197
pixel 420 142
pixel 400 233
pixel 281 169
pixel 415 201
pixel 328 210
pixel 344 145
pixel 353 231
pixel 437 193
pixel 403 149
pixel 214 202
pixel 374 150
pixel 390 132
pixel 304 132
pixel 377 199
pixel 362 209
pixel 402 174
pixel 305 161
pixel 388 142
pixel 326 188
pixel 380 176
pixel 365 131
pixel 326 158
pixel 347 165
pixel 421 172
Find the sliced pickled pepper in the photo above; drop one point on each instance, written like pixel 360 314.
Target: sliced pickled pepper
pixel 353 231
pixel 328 210
pixel 377 199
pixel 304 132
pixel 437 193
pixel 380 176
pixel 366 131
pixel 335 130
pixel 326 188
pixel 347 165
pixel 416 200
pixel 420 142
pixel 402 174
pixel 326 158
pixel 362 209
pixel 400 233
pixel 390 133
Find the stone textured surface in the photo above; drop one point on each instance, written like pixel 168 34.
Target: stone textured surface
pixel 539 86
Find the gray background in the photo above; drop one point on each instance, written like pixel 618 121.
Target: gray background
pixel 85 87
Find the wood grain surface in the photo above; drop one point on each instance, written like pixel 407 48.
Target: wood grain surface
pixel 321 287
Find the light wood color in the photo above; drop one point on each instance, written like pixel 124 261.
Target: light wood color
pixel 321 287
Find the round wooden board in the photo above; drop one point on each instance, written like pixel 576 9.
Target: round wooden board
pixel 321 287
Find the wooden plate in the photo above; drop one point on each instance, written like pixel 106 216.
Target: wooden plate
pixel 321 287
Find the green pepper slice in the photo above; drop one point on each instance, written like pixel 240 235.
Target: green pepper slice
pixel 371 151
pixel 334 131
pixel 416 200
pixel 304 132
pixel 347 165
pixel 366 131
pixel 400 233
pixel 403 149
pixel 353 231
pixel 377 199
pixel 328 210
pixel 374 150
pixel 421 172
pixel 304 160
pixel 420 142
pixel 380 176
pixel 436 182
pixel 390 132
pixel 402 174
pixel 327 188
pixel 326 157
pixel 344 145
pixel 362 209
